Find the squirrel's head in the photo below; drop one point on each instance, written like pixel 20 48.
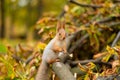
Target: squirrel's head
pixel 60 31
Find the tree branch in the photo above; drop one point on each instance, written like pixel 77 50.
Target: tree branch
pixel 62 71
pixel 116 1
pixel 85 5
pixel 111 77
pixel 79 41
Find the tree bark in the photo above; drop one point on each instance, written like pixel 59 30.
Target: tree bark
pixel 2 26
pixel 62 71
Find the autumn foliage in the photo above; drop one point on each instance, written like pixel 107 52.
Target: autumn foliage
pixel 95 47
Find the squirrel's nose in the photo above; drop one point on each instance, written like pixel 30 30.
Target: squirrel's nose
pixel 63 38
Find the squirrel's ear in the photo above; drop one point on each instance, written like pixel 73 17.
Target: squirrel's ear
pixel 58 26
pixel 63 25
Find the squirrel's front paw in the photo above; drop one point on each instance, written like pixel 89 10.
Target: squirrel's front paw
pixel 60 49
pixel 57 49
pixel 65 51
pixel 54 60
pixel 57 60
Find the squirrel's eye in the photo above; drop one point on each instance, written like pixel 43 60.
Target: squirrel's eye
pixel 59 34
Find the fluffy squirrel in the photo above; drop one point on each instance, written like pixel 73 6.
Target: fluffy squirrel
pixel 50 53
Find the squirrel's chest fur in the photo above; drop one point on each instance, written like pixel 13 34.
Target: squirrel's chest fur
pixel 56 42
pixel 60 43
pixel 48 52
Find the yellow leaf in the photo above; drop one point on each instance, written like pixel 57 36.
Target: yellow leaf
pixel 40 46
pixel 86 77
pixel 82 68
pixel 91 65
pixel 99 55
pixel 110 50
pixel 12 76
pixel 106 58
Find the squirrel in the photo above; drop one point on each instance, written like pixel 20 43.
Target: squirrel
pixel 50 53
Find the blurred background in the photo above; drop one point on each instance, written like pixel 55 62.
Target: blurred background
pixel 18 17
pixel 19 28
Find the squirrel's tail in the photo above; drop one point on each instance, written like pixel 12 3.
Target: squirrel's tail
pixel 42 73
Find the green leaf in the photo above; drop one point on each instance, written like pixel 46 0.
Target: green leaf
pixel 78 10
pixel 111 38
pixel 97 42
pixel 3 49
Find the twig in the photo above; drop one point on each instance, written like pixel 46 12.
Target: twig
pixel 114 42
pixel 92 20
pixel 29 59
pixel 62 12
pixel 114 24
pixel 116 75
pixel 96 61
pixel 83 62
pixel 108 19
pixel 17 58
pixel 85 5
pixel 116 39
pixel 78 43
